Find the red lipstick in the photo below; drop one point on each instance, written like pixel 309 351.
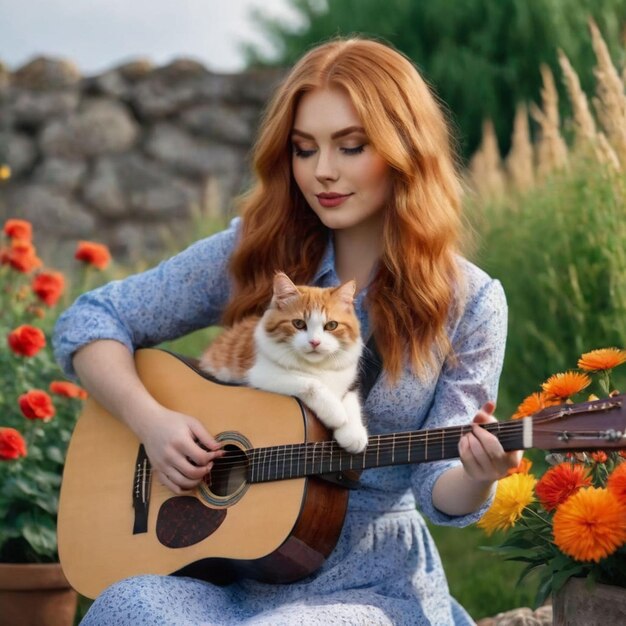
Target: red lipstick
pixel 330 200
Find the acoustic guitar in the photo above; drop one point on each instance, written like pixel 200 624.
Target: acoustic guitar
pixel 273 506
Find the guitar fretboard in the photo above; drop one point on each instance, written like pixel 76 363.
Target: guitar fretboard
pixel 323 457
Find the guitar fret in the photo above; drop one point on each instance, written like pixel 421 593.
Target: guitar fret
pixel 425 447
pixel 393 448
pixel 284 459
pixel 378 451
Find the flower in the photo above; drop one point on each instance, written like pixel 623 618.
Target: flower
pixel 523 467
pixel 603 359
pixel 533 404
pixel 5 172
pixel 95 254
pixel 18 229
pixel 36 405
pixel 21 256
pixel 12 444
pixel 599 456
pixel 26 340
pixel 590 525
pixel 513 494
pixel 560 482
pixel 565 384
pixel 49 286
pixel 67 389
pixel 616 482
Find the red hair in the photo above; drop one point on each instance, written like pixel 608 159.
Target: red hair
pixel 412 293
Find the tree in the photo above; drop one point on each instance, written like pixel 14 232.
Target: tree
pixel 481 56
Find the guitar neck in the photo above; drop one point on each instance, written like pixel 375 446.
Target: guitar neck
pixel 419 446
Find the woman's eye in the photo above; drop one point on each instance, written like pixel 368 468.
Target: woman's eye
pixel 302 153
pixel 355 150
pixel 299 324
pixel 330 325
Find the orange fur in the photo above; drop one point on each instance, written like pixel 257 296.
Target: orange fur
pixel 413 291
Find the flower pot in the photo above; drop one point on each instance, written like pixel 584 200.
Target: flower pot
pixel 35 594
pixel 576 604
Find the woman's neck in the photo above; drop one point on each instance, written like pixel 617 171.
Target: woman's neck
pixel 357 251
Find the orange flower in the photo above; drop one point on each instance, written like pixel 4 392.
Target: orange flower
pixel 622 453
pixel 18 229
pixel 560 482
pixel 565 384
pixel 95 254
pixel 523 467
pixel 616 483
pixel 12 444
pixel 21 256
pixel 533 404
pixel 69 390
pixel 36 405
pixel 48 286
pixel 599 456
pixel 590 525
pixel 602 359
pixel 26 340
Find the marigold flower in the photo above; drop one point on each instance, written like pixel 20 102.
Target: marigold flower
pixel 523 467
pixel 49 286
pixel 616 483
pixel 12 444
pixel 36 405
pixel 565 384
pixel 513 494
pixel 92 253
pixel 599 456
pixel 26 340
pixel 602 359
pixel 18 229
pixel 533 404
pixel 560 482
pixel 590 525
pixel 67 389
pixel 21 256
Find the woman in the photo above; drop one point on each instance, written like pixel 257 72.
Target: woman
pixel 355 179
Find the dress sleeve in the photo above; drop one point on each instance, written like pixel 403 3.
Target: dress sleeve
pixel 463 387
pixel 180 295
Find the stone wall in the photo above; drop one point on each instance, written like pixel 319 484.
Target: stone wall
pixel 129 155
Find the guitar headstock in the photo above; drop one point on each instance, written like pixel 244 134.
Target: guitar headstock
pixel 592 425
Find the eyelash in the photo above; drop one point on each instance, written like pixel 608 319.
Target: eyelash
pixel 305 154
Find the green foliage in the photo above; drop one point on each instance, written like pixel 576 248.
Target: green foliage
pixel 560 253
pixel 482 56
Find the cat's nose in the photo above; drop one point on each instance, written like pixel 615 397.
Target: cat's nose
pixel 314 342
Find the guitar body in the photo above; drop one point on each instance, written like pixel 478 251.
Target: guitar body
pixel 115 522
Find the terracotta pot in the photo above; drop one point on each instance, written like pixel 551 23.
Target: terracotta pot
pixel 35 594
pixel 577 605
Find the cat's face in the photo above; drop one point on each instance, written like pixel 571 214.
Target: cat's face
pixel 315 323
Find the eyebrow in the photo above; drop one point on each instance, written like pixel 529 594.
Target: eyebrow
pixel 336 135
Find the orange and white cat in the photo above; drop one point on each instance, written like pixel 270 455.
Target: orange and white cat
pixel 307 344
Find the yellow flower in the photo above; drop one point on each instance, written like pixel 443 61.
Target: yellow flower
pixel 602 359
pixel 5 172
pixel 590 525
pixel 565 384
pixel 513 494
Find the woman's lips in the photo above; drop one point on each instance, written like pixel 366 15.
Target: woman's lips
pixel 330 200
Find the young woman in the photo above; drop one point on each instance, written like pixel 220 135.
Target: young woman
pixel 355 179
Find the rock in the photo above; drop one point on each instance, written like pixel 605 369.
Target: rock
pixel 33 109
pixel 520 617
pixel 256 86
pixel 135 69
pixel 45 73
pixel 61 174
pixel 220 122
pixel 21 153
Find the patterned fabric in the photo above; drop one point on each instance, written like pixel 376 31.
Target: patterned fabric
pixel 385 568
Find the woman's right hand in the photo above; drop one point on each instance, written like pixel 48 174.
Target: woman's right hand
pixel 180 449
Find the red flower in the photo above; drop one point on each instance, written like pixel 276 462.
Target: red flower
pixel 21 256
pixel 48 286
pixel 617 482
pixel 95 254
pixel 26 340
pixel 560 482
pixel 36 405
pixel 600 456
pixel 18 229
pixel 12 444
pixel 69 390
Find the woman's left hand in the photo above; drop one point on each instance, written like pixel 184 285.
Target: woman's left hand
pixel 482 455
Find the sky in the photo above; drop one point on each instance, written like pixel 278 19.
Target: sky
pixel 99 34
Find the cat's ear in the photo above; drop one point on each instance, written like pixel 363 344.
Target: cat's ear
pixel 284 290
pixel 345 293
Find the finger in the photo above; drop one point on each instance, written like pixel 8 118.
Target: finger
pixel 165 480
pixel 480 457
pixel 190 470
pixel 181 479
pixel 467 457
pixel 202 438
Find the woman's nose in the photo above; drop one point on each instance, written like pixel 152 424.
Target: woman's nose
pixel 326 167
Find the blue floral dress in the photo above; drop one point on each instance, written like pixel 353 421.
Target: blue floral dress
pixel 385 568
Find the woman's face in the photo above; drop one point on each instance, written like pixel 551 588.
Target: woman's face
pixel 343 179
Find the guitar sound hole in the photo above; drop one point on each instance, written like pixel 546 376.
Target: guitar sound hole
pixel 229 472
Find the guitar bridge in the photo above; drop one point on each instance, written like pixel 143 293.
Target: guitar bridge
pixel 141 491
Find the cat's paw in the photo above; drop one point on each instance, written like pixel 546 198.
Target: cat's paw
pixel 352 437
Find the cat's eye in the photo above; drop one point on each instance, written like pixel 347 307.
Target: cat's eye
pixel 330 325
pixel 299 324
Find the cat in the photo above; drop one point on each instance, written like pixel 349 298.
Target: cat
pixel 307 344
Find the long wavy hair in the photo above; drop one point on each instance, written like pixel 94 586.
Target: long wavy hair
pixel 413 292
